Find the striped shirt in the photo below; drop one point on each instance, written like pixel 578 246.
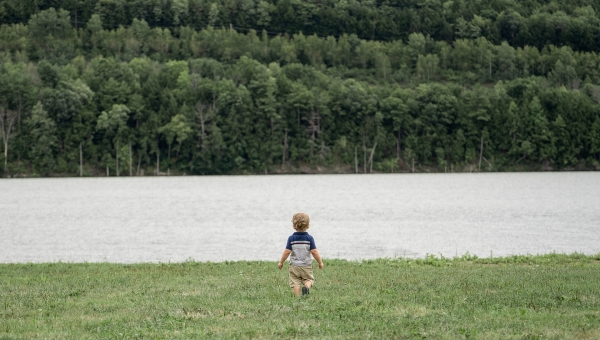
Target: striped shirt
pixel 300 243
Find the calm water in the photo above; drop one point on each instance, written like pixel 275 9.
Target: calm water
pixel 248 217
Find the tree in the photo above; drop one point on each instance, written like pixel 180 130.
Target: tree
pixel 49 74
pixel 160 41
pixel 263 13
pixel 50 23
pixel 458 147
pixel 417 45
pixel 467 30
pixel 8 118
pixel 213 15
pixel 177 129
pixel 564 75
pixel 179 8
pixel 566 154
pixel 509 23
pixel 65 105
pixel 94 31
pixel 513 127
pixel 358 117
pixel 114 124
pixel 479 108
pixel 19 89
pixel 538 132
pixel 43 139
pixel 595 138
pixel 395 108
pixel 16 96
pixel 51 33
pixel 383 65
pixel 506 61
pixel 435 109
pixel 427 66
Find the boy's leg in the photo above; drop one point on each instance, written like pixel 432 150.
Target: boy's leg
pixel 295 280
pixel 308 278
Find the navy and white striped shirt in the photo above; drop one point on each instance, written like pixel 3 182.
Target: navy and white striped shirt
pixel 300 243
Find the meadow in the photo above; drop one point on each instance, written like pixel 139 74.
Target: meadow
pixel 552 296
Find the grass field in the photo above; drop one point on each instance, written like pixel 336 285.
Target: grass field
pixel 522 297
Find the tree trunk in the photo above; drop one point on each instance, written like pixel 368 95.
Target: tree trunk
pixel 480 151
pixel 285 146
pixel 203 119
pixel 137 173
pixel 80 161
pixel 7 121
pixel 117 158
pixel 489 164
pixel 371 157
pixel 355 160
pixel 157 160
pixel 169 161
pixel 5 155
pixel 130 161
pixel 364 158
pixel 178 148
pixel 398 149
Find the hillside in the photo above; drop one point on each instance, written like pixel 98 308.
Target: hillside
pixel 194 87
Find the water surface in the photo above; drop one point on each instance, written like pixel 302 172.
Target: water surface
pixel 221 218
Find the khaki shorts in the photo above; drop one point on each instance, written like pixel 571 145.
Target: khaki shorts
pixel 300 275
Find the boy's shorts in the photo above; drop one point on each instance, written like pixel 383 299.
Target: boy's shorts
pixel 299 275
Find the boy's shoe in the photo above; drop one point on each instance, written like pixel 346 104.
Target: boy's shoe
pixel 304 290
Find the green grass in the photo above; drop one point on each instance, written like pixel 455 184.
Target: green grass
pixel 522 297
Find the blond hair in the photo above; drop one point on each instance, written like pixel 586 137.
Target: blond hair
pixel 301 221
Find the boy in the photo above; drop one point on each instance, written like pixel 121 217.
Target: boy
pixel 300 246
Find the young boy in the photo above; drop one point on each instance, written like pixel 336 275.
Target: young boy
pixel 300 246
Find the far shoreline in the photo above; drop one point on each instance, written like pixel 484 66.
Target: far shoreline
pixel 314 170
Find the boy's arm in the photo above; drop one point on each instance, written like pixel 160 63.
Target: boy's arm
pixel 315 254
pixel 284 257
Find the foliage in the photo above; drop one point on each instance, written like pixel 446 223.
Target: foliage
pixel 468 89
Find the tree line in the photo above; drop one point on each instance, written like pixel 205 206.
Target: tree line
pixel 138 99
pixel 538 23
pixel 49 35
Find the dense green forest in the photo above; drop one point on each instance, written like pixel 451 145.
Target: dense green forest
pixel 115 87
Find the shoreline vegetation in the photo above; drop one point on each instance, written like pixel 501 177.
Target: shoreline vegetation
pixel 306 169
pixel 550 296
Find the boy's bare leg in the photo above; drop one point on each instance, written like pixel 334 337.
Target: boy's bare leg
pixel 297 290
pixel 308 284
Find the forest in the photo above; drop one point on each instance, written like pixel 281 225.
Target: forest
pixel 173 87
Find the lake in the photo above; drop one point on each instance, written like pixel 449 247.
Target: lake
pixel 218 218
